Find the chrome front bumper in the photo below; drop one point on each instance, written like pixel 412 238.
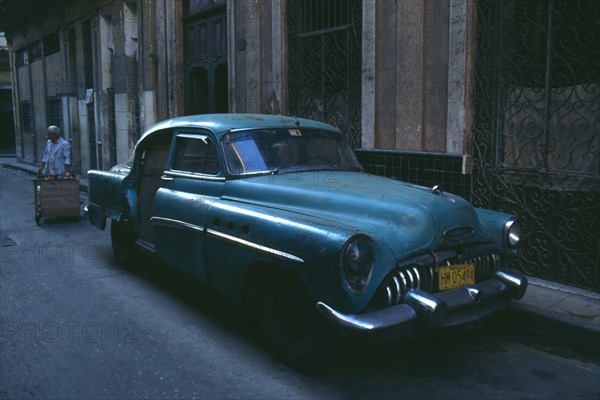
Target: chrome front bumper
pixel 443 309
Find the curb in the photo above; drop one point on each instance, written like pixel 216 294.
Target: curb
pixel 557 326
pixel 557 311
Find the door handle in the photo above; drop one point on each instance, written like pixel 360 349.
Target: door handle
pixel 167 178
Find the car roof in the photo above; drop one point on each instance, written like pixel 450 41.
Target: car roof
pixel 219 124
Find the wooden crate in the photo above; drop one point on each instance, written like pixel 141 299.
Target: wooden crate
pixel 56 198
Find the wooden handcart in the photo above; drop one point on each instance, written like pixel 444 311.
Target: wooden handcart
pixel 56 198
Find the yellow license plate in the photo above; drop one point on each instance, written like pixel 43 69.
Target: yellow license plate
pixel 455 276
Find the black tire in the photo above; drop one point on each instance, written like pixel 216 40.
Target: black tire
pixel 123 244
pixel 290 323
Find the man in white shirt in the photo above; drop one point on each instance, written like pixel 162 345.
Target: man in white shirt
pixel 57 155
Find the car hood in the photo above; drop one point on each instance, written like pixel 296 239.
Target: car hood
pixel 408 217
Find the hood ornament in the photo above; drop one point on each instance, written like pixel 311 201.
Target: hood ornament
pixel 436 190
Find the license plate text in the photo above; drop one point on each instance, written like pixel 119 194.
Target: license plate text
pixel 455 276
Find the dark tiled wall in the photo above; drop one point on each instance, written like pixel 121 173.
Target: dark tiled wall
pixel 426 169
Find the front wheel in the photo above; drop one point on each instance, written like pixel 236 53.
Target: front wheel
pixel 123 243
pixel 290 322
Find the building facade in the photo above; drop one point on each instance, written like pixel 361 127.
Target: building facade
pixel 497 101
pixel 7 133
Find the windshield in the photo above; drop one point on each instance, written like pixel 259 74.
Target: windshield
pixel 286 150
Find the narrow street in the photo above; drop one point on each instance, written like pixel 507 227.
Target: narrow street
pixel 74 325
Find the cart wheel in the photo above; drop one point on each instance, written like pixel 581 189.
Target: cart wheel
pixel 38 217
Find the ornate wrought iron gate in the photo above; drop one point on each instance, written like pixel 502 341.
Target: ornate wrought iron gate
pixel 536 135
pixel 325 63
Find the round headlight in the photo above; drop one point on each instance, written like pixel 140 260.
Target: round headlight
pixel 512 230
pixel 358 258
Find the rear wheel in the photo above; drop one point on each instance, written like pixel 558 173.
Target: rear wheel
pixel 123 244
pixel 290 322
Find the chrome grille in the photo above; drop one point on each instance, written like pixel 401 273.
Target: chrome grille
pixel 405 278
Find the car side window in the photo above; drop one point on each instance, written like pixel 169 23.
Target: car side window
pixel 196 154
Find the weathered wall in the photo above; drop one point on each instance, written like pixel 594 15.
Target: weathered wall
pixel 414 75
pixel 257 56
pixel 146 64
pixel 124 80
pixel 49 77
pixel 168 56
pixel 415 91
pixel 123 75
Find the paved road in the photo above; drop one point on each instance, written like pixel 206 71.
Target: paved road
pixel 76 326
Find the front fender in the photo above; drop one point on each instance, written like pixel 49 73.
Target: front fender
pixel 493 222
pixel 239 235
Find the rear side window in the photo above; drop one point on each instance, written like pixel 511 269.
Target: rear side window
pixel 195 154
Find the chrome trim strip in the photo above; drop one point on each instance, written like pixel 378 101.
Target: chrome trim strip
pixel 200 136
pixel 431 278
pixel 417 277
pixel 293 121
pixel 497 261
pixel 191 175
pixel 410 279
pixel 175 223
pixel 405 287
pixel 146 246
pixel 255 246
pixel 398 291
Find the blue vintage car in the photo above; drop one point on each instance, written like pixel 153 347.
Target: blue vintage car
pixel 276 212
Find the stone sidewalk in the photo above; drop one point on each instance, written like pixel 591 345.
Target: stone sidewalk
pixel 563 312
pixel 550 309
